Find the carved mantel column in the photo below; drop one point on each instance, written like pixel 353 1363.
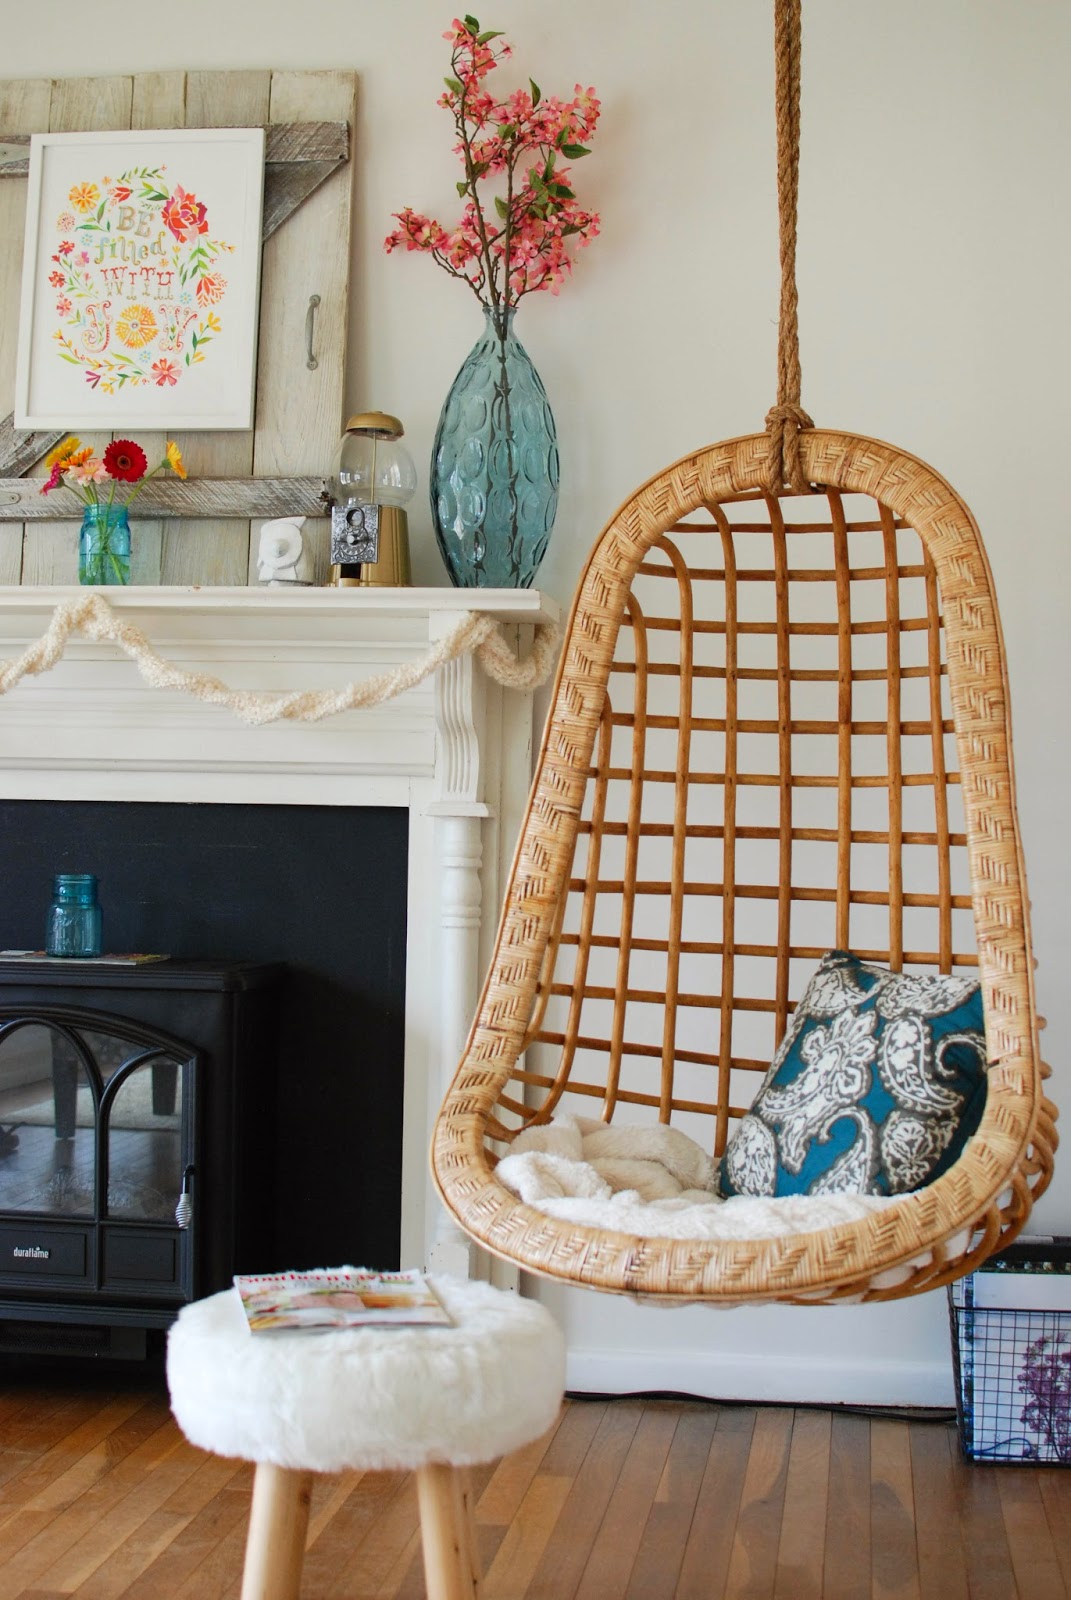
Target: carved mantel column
pixel 459 810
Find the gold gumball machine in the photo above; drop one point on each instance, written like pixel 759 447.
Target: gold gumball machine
pixel 373 480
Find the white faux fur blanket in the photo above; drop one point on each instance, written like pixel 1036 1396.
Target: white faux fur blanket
pixel 655 1182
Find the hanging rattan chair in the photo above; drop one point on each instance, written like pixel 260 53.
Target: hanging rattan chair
pixel 780 726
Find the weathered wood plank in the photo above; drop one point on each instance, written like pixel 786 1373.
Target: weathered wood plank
pixel 23 105
pixel 301 156
pixel 177 497
pixel 11 537
pixel 15 147
pixel 11 554
pixel 24 108
pixel 286 188
pixel 159 100
pixel 300 411
pixel 228 99
pixel 86 105
pixel 20 450
pixel 50 554
pixel 307 141
pixel 217 551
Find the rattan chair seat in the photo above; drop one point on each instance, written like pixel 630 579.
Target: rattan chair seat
pixel 780 725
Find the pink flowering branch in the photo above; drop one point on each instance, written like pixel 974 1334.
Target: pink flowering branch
pixel 521 237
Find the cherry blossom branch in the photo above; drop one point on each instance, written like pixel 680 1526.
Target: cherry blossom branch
pixel 541 222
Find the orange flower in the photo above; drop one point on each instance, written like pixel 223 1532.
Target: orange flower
pixel 84 196
pixel 211 288
pixel 136 327
pixel 63 454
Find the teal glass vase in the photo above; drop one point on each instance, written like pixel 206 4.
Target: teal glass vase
pixel 104 545
pixel 494 465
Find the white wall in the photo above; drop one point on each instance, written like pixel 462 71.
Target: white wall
pixel 935 237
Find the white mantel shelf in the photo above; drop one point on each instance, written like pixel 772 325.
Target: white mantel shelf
pixel 455 752
pixel 506 605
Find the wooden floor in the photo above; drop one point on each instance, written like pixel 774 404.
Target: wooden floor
pixel 101 1497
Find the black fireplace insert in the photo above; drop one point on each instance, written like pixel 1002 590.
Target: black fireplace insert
pixel 136 1142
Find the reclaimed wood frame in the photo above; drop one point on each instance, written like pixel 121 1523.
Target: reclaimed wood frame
pixel 204 530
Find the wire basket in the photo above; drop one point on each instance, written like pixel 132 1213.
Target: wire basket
pixel 1011 1347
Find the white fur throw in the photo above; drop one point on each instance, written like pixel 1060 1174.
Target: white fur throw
pixel 656 1182
pixel 370 1398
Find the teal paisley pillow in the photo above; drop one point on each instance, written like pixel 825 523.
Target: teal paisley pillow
pixel 878 1084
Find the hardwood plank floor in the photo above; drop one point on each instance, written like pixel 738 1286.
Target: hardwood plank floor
pixel 102 1499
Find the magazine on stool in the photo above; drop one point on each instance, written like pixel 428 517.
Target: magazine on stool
pixel 339 1297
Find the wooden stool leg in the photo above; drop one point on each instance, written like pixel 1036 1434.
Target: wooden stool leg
pixel 470 1554
pixel 278 1522
pixel 451 1571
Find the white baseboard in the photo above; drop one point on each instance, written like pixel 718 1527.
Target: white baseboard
pixel 790 1380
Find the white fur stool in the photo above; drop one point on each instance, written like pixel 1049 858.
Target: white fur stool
pixel 430 1399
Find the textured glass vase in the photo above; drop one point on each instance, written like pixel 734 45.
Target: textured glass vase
pixel 494 465
pixel 104 545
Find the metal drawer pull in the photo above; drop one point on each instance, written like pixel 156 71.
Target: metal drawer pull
pixel 310 318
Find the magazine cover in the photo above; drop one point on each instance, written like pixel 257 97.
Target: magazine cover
pixel 339 1297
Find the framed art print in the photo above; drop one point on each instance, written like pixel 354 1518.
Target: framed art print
pixel 140 280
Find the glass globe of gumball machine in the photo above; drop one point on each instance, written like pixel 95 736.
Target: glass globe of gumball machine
pixel 373 480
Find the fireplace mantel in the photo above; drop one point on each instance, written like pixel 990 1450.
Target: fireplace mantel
pixel 455 752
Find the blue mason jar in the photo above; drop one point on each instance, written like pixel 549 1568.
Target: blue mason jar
pixel 104 545
pixel 75 924
pixel 494 465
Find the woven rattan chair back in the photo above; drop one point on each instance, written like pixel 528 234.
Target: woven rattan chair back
pixel 780 727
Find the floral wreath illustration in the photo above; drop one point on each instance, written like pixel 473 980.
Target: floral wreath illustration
pixel 137 280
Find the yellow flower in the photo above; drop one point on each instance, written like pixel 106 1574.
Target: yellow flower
pixel 174 459
pixel 63 452
pixel 84 196
pixel 136 327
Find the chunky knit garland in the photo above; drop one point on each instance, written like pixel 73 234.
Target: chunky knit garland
pixel 477 634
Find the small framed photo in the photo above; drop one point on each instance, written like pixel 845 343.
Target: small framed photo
pixel 141 280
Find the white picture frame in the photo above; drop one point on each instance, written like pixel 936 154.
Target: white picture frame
pixel 141 280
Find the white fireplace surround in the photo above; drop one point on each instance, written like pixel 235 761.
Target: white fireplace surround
pixel 456 752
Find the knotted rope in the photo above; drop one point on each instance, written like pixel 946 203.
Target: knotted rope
pixel 92 616
pixel 787 417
